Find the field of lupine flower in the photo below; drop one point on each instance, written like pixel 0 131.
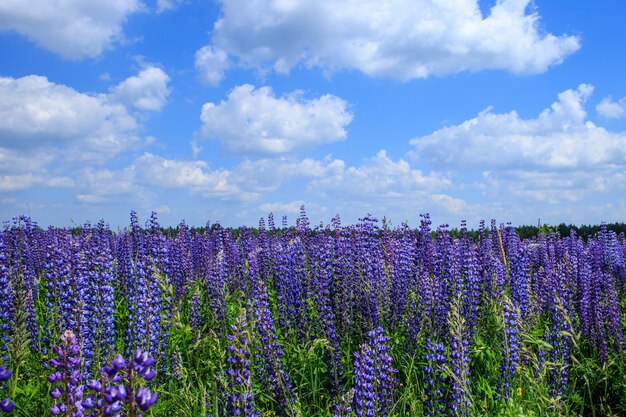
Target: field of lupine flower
pixel 358 320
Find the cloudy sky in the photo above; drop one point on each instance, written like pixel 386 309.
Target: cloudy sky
pixel 228 110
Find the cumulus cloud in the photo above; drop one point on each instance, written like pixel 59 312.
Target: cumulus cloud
pixel 292 207
pixel 164 5
pixel 549 166
pixel 43 121
pixel 24 181
pixel 72 28
pixel 89 198
pixel 255 121
pixel 379 177
pixel 450 204
pixel 401 39
pixel 531 189
pixel 211 63
pixel 266 175
pixel 38 113
pixel 147 90
pixel 154 170
pixel 612 109
pixel 560 138
pixel 247 182
pixel 17 161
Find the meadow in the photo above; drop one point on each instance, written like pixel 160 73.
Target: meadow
pixel 357 320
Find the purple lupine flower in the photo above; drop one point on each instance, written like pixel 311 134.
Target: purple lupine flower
pixel 6 302
pixel 435 381
pixel 561 343
pixel 460 394
pixel 162 300
pixel 145 399
pixel 20 261
pixel 321 277
pixel 469 275
pixel 403 271
pixel 183 262
pixel 343 407
pixel 238 391
pixel 143 294
pixel 364 380
pixel 374 379
pixel 195 315
pixel 270 368
pixel 344 282
pixel 66 373
pixel 520 278
pixel 485 266
pixel 422 292
pixel 510 348
pixel 290 283
pixel 6 404
pixel 446 285
pixel 584 288
pixel 215 286
pixel 119 387
pixel 57 266
pixel 97 327
pixel 604 307
pixel 373 289
pixel 234 262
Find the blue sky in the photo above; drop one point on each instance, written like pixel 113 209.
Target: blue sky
pixel 228 110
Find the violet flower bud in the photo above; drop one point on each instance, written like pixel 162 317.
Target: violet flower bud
pixel 7 405
pixel 145 399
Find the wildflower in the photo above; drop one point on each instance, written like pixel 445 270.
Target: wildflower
pixel 119 388
pixel 66 372
pixel 374 376
pixel 435 382
pixel 239 389
pixel 6 404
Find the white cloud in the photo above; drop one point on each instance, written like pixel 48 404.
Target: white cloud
pixel 107 182
pixel 164 5
pixel 89 198
pixel 248 180
pixel 401 39
pixel 162 209
pixel 211 63
pixel 289 207
pixel 147 90
pixel 612 109
pixel 44 122
pixel 153 170
pixel 560 138
pixel 73 29
pixel 556 166
pixel 379 177
pixel 17 161
pixel 245 183
pixel 450 204
pixel 25 181
pixel 266 175
pixel 37 113
pixel 254 121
